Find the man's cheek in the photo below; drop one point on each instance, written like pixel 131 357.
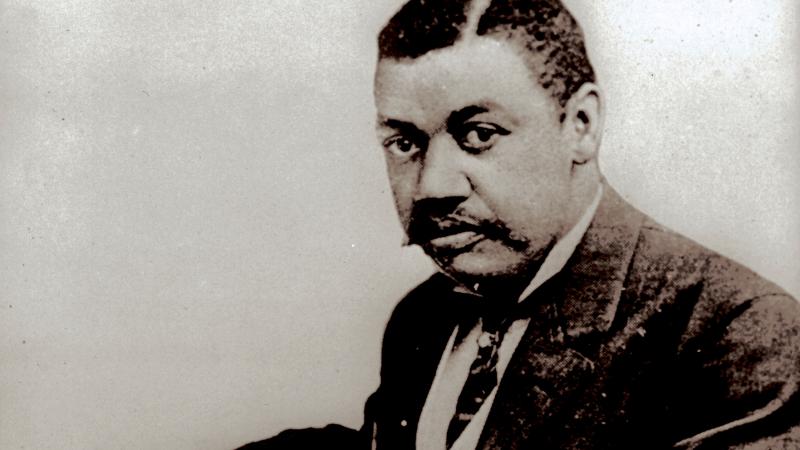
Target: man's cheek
pixel 403 203
pixel 403 189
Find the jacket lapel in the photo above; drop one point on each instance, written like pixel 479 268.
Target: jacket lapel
pixel 545 372
pixel 595 275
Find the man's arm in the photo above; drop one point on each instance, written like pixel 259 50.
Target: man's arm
pixel 746 385
pixel 332 437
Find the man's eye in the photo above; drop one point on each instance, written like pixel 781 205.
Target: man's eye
pixel 481 136
pixel 401 145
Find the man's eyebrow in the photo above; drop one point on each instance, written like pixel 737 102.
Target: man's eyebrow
pixel 398 124
pixel 406 128
pixel 463 114
pixel 456 117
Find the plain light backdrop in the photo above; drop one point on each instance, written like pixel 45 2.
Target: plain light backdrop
pixel 198 247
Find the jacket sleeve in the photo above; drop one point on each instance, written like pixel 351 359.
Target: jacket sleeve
pixel 747 379
pixel 332 437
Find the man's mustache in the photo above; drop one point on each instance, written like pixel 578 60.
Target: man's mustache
pixel 430 220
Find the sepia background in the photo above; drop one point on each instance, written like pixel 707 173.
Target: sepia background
pixel 197 243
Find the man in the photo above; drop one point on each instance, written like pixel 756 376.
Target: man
pixel 562 318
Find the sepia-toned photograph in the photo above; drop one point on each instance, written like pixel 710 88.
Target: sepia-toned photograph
pixel 400 224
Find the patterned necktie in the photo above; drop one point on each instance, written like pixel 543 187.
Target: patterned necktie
pixel 481 380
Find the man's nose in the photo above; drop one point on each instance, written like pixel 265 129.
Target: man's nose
pixel 441 175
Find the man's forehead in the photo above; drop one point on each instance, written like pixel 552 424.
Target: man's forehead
pixel 481 71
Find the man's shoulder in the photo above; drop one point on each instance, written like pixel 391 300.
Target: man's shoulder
pixel 666 270
pixel 680 262
pixel 719 294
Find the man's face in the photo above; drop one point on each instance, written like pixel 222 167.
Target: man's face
pixel 476 158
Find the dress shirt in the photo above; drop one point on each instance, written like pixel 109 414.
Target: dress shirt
pixel 453 369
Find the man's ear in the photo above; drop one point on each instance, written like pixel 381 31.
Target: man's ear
pixel 583 122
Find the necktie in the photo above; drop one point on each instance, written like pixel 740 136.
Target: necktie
pixel 481 380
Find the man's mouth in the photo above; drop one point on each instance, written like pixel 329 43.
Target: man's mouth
pixel 449 236
pixel 457 241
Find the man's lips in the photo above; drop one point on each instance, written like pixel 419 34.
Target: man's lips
pixel 450 234
pixel 456 241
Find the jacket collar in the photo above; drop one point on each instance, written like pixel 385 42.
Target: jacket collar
pixel 593 278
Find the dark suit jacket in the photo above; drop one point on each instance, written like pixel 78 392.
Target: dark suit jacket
pixel 645 340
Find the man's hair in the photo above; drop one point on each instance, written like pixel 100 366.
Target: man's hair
pixel 551 39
